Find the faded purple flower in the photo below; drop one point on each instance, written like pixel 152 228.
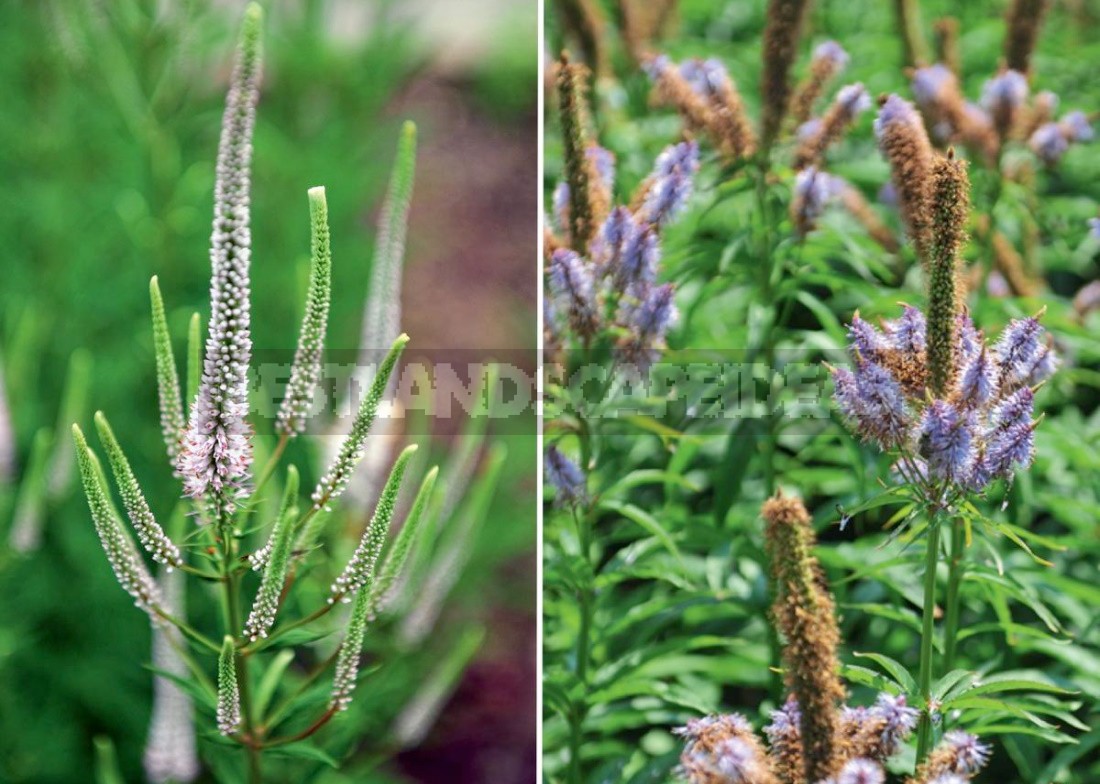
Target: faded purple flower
pixel 813 191
pixel 901 719
pixel 896 111
pixel 1076 127
pixel 908 332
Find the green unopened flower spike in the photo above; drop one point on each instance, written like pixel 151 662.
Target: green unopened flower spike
pixel 172 421
pixel 347 660
pixel 291 419
pixel 126 562
pixel 278 548
pixel 335 480
pixel 950 207
pixel 382 317
pixel 360 569
pixel 229 695
pixel 152 536
pixel 395 561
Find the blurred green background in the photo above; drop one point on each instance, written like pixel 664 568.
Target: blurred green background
pixel 107 146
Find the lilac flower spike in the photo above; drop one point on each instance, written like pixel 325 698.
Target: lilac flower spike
pixel 833 53
pixel 813 191
pixel 896 111
pixel 216 453
pixel 861 771
pixel 1077 127
pixel 656 313
pixel 901 719
pixel 981 429
pixel 1048 143
pixel 947 440
pixel 573 286
pixel 566 476
pixel 1005 92
pixel 854 98
pixel 970 754
pixel 929 83
pixel 672 182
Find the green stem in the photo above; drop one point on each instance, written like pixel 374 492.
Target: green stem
pixel 580 708
pixel 956 567
pixel 924 728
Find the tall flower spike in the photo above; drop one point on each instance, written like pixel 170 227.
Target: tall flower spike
pixel 306 370
pixel 950 208
pixel 170 754
pixel 347 658
pixel 229 695
pixel 573 286
pixel 402 546
pixel 828 60
pixel 781 35
pixel 1024 19
pixel 359 572
pixel 723 749
pixel 335 480
pixel 152 536
pixel 126 562
pixel 382 315
pixel 172 422
pixel 803 611
pixel 959 753
pixel 566 476
pixel 669 187
pixel 266 604
pixel 784 734
pixel 585 214
pixel 904 142
pixel 1003 96
pixel 850 102
pixel 216 455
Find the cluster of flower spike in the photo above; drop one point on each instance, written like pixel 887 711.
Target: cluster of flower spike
pixel 1004 112
pixel 724 750
pixel 613 287
pixel 980 430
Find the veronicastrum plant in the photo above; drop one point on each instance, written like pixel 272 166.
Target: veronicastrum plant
pixel 653 564
pixel 224 530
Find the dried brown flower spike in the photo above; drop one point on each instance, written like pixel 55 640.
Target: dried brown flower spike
pixel 1024 20
pixel 805 614
pixel 588 200
pixel 781 34
pixel 904 143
